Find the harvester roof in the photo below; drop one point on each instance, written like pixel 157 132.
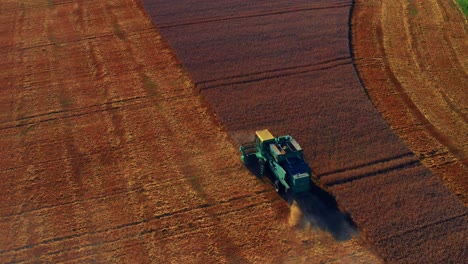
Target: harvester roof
pixel 264 135
pixel 295 165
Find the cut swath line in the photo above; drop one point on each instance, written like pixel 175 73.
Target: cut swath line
pixel 256 14
pixel 274 71
pixel 272 74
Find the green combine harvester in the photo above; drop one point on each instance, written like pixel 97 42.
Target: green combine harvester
pixel 283 157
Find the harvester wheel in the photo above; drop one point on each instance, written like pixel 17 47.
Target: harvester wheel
pixel 279 188
pixel 261 164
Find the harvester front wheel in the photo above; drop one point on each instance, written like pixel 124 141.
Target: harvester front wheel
pixel 261 164
pixel 279 187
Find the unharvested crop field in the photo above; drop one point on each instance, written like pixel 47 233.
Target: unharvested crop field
pixel 288 67
pixel 109 156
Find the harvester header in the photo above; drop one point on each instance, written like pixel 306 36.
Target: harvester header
pixel 264 135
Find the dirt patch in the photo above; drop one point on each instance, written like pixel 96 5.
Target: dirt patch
pixel 109 156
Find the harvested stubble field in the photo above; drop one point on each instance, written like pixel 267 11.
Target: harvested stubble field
pixel 419 82
pixel 288 67
pixel 411 57
pixel 109 156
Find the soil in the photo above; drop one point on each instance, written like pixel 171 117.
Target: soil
pixel 411 57
pixel 108 154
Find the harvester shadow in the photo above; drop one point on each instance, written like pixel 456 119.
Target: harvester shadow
pixel 318 207
pixel 321 210
pixel 255 170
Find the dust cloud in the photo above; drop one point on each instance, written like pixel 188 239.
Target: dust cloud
pixel 243 136
pixel 296 217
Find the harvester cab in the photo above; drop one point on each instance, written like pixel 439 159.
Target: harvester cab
pixel 283 157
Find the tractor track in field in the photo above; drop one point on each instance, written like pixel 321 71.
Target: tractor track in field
pixel 272 74
pixel 135 225
pixel 140 101
pixel 254 15
pixel 422 227
pixel 144 221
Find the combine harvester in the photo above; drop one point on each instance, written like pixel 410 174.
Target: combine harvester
pixel 293 178
pixel 284 158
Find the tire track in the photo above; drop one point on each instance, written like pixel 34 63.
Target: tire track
pixel 121 124
pixel 35 6
pixel 144 101
pixel 23 65
pixel 257 14
pixel 77 41
pixel 422 227
pixel 104 150
pixel 111 119
pixel 200 217
pixel 75 176
pixel 272 74
pixel 102 198
pixel 228 248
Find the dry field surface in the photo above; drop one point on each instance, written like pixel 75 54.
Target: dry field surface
pixel 412 59
pixel 109 156
pixel 288 67
pixel 411 56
